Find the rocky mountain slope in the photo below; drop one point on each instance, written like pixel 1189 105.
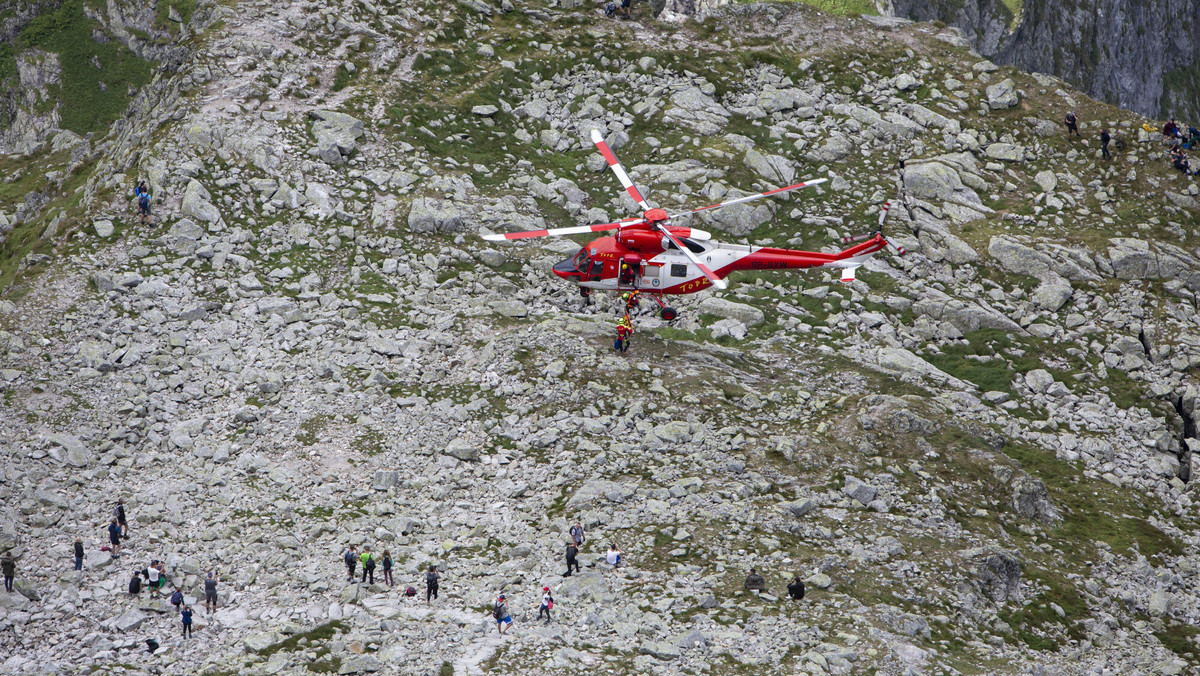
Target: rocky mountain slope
pixel 978 456
pixel 1141 56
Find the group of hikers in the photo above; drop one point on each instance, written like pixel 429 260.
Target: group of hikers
pixel 1179 141
pixel 576 538
pixel 758 584
pixel 1072 122
pixel 152 578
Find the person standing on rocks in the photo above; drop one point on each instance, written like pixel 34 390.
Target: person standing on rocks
pixel 143 201
pixel 1072 122
pixel 796 588
pixel 114 537
pixel 1105 137
pixel 432 582
pixel 368 564
pixel 351 559
pixel 755 582
pixel 177 598
pixel 79 555
pixel 153 576
pixel 547 604
pixel 500 613
pixel 119 514
pixel 572 559
pixel 387 567
pixel 577 536
pixel 8 566
pixel 210 592
pixel 186 617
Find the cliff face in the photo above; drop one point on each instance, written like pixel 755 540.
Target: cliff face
pixel 1140 55
pixel 985 22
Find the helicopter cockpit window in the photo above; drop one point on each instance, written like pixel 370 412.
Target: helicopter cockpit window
pixel 581 260
pixel 694 247
pixel 678 270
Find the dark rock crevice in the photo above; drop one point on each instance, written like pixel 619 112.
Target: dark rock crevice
pixel 1185 406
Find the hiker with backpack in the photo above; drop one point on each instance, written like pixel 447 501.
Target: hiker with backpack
pixel 577 536
pixel 500 614
pixel 432 578
pixel 572 560
pixel 368 563
pixel 142 194
pixel 547 604
pixel 1072 122
pixel 79 555
pixel 114 537
pixel 135 583
pixel 351 559
pixel 387 567
pixel 119 514
pixel 177 599
pixel 1105 138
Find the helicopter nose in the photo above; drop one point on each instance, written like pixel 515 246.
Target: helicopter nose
pixel 566 269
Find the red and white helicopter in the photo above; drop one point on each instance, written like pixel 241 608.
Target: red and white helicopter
pixel 649 255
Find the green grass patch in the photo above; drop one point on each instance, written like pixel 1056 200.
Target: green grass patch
pixel 842 7
pixel 318 634
pixel 1092 510
pixel 310 430
pixel 1183 640
pixel 90 97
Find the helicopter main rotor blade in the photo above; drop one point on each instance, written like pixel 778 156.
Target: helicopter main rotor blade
pixel 615 165
pixel 747 198
pixel 712 276
pixel 557 232
pixel 883 212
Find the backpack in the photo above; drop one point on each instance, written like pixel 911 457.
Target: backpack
pixel 610 8
pixel 177 598
pixel 431 577
pixel 498 612
pixel 411 591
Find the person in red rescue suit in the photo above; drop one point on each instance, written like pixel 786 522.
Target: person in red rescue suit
pixel 624 332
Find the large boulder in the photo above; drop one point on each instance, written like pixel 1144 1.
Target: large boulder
pixel 462 449
pixel 997 574
pixel 1052 293
pixel 197 203
pixel 933 180
pixel 1018 258
pixel 697 110
pixel 746 314
pixel 1002 95
pixel 1030 500
pixel 1005 152
pixel 429 214
pixel 836 149
pixel 336 133
pixel 859 490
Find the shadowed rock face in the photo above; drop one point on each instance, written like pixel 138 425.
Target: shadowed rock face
pixel 1138 55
